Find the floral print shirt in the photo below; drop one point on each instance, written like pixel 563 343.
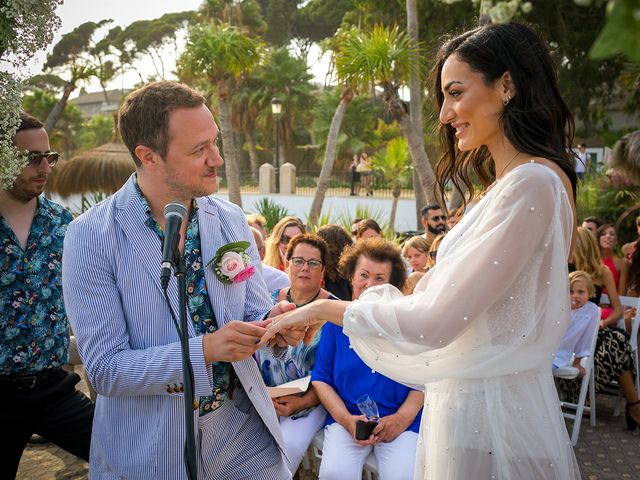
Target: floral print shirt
pixel 296 363
pixel 199 304
pixel 34 328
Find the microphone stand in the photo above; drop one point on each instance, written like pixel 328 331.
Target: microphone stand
pixel 191 464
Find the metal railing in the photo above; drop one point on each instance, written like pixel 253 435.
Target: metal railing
pixel 340 184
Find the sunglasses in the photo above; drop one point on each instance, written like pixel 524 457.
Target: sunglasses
pixel 284 240
pixel 437 218
pixel 433 254
pixel 35 158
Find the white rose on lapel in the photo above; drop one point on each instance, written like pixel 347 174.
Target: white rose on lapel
pixel 232 263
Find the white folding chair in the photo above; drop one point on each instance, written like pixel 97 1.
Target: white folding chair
pixel 370 466
pixel 633 341
pixel 587 385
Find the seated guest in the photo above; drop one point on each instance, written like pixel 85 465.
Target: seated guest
pixel 628 248
pixel 592 224
pixel 340 378
pixel 416 252
pixel 633 287
pixel 337 240
pixel 273 278
pixel 454 217
pixel 584 317
pixel 434 221
pixel 414 278
pixel 612 358
pixel 633 283
pixel 300 417
pixel 433 250
pixel 586 257
pixel 258 221
pixel 354 226
pixel 368 228
pixel 607 241
pixel 276 243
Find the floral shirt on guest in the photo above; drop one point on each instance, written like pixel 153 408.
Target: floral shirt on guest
pixel 34 329
pixel 198 304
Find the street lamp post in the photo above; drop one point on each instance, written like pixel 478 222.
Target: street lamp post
pixel 276 109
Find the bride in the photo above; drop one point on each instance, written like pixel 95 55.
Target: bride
pixel 481 328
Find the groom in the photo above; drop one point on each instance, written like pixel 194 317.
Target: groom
pixel 111 279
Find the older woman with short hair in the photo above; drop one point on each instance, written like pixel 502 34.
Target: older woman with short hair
pixel 340 378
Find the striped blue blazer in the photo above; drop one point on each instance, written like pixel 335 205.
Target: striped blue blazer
pixel 131 352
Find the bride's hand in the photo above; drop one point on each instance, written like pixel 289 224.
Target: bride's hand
pixel 304 319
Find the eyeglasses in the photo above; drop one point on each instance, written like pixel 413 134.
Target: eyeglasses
pixel 35 158
pixel 437 218
pixel 433 254
pixel 312 262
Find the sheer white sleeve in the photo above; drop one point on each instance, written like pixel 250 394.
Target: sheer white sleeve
pixel 482 310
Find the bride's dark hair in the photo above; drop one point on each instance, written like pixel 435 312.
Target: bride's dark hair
pixel 536 120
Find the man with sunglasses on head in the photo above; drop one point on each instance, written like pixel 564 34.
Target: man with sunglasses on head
pixel 434 222
pixel 37 394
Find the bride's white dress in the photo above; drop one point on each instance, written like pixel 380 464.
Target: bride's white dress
pixel 480 332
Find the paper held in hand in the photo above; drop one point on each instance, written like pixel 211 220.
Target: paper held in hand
pixel 290 388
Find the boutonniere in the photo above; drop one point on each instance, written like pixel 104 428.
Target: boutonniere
pixel 232 263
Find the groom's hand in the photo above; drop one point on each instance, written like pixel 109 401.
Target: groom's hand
pixel 234 341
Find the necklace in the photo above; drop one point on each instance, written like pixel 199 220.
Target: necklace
pixel 499 176
pixel 298 305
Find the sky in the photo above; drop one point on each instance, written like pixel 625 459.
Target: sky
pixel 123 12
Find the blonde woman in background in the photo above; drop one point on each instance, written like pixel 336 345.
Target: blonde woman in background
pixel 276 244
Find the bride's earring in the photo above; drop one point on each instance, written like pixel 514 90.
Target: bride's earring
pixel 506 101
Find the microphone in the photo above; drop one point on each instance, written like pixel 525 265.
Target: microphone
pixel 174 215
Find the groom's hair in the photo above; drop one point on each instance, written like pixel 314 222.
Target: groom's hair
pixel 143 118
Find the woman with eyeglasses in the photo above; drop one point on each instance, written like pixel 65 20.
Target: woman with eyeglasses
pixel 276 244
pixel 340 378
pixel 300 416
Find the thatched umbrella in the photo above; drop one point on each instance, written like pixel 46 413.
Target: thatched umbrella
pixel 626 155
pixel 102 169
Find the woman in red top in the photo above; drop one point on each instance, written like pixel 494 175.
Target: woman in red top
pixel 607 240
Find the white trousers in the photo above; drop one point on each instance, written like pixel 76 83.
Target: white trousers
pixel 343 458
pixel 298 434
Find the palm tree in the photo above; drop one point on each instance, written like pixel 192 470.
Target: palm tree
pixel 357 129
pixel 336 45
pixel 243 117
pixel 384 58
pixel 222 53
pixel 287 78
pixel 415 102
pixel 393 163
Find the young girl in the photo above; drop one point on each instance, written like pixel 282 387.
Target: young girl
pixel 584 317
